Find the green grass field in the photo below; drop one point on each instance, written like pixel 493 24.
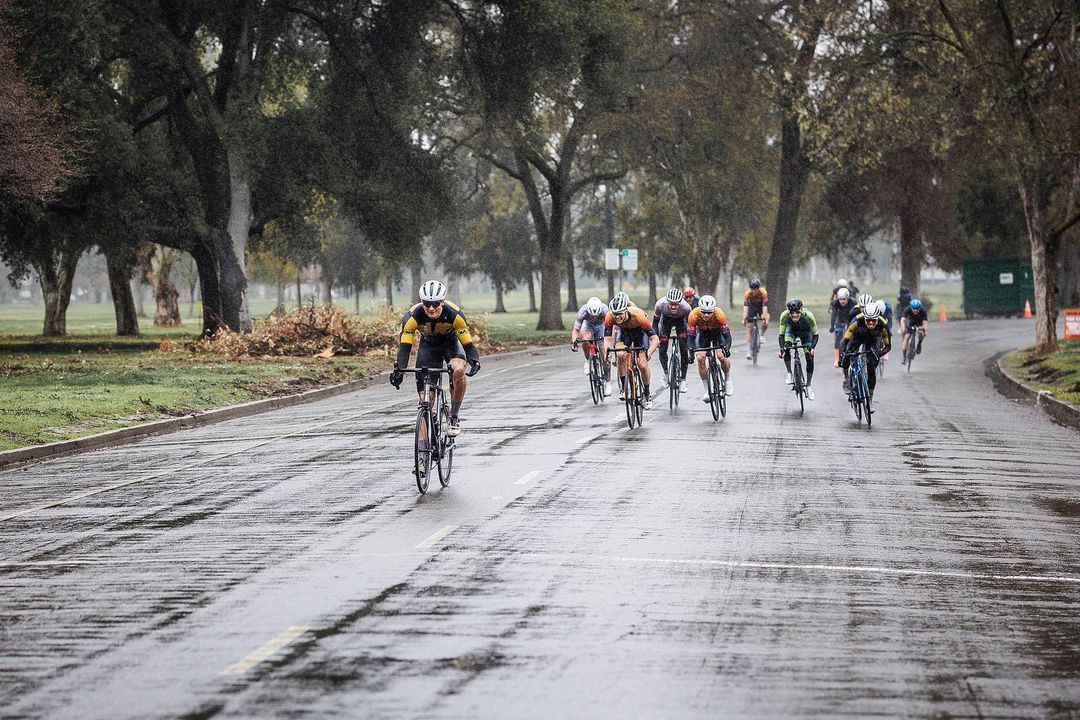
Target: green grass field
pixel 1059 373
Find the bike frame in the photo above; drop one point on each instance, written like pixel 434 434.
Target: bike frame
pixel 717 382
pixel 635 404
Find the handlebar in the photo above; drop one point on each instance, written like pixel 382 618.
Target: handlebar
pixel 629 349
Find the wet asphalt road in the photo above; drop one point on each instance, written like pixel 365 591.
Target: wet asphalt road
pixel 769 565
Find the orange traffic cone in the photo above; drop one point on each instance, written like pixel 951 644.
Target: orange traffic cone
pixel 942 315
pixel 1027 309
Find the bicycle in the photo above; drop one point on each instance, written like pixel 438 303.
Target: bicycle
pixel 755 337
pixel 798 376
pixel 596 373
pixel 717 381
pixel 432 419
pixel 859 387
pixel 632 385
pixel 674 375
pixel 912 346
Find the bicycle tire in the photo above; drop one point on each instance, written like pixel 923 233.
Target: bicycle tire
pixel 714 389
pixel 865 388
pixel 598 364
pixel 856 399
pixel 673 382
pixel 723 390
pixel 446 446
pixel 592 381
pixel 628 399
pixel 755 344
pixel 799 387
pixel 910 353
pixel 639 401
pixel 423 420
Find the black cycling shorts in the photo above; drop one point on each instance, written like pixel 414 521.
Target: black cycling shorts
pixel 710 337
pixel 436 353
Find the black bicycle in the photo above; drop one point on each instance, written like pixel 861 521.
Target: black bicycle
pixel 755 337
pixel 432 421
pixel 596 370
pixel 674 375
pixel 633 388
pixel 716 380
pixel 798 375
pixel 859 386
pixel 912 346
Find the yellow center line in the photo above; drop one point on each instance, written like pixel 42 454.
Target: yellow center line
pixel 266 651
pixel 436 536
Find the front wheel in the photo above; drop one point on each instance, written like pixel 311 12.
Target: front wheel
pixel 755 345
pixel 630 397
pixel 639 400
pixel 446 447
pixel 595 387
pixel 800 389
pixel 715 389
pixel 673 382
pixel 422 458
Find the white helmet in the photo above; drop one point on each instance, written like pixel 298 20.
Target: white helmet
pixel 620 302
pixel 872 311
pixel 594 306
pixel 864 299
pixel 707 303
pixel 432 291
pixel 674 295
pixel 842 294
pixel 881 306
pixel 841 282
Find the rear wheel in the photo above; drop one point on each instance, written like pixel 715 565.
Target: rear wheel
pixel 866 401
pixel 446 447
pixel 909 354
pixel 422 459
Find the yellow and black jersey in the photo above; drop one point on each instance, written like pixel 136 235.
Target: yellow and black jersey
pixel 450 324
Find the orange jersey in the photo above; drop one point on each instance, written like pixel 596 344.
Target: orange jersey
pixel 756 297
pixel 716 320
pixel 635 320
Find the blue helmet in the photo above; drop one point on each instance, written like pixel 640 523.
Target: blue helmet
pixel 916 303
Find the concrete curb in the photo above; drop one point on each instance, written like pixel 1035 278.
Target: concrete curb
pixel 121 436
pixel 1060 411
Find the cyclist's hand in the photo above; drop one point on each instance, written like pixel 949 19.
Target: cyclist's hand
pixel 474 367
pixel 573 346
pixel 810 352
pixel 396 376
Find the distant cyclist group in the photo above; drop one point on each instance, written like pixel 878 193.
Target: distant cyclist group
pixel 861 326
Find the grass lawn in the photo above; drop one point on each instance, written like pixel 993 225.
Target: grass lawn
pixel 1059 373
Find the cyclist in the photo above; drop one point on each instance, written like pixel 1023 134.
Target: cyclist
pixel 690 295
pixel 841 283
pixel 841 313
pixel 669 314
pixel 755 307
pixel 903 301
pixel 711 325
pixel 589 325
pixel 914 319
pixel 866 331
pixel 444 337
pixel 798 322
pixel 634 327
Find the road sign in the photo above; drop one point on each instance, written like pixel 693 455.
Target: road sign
pixel 1072 324
pixel 629 261
pixel 1005 278
pixel 611 258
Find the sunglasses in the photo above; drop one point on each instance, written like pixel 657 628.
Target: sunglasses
pixel 432 303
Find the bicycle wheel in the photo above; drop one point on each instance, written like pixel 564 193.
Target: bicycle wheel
pixel 628 395
pixel 673 381
pixel 856 397
pixel 755 344
pixel 799 386
pixel 598 377
pixel 909 355
pixel 446 446
pixel 593 369
pixel 422 460
pixel 866 401
pixel 714 389
pixel 639 400
pixel 723 390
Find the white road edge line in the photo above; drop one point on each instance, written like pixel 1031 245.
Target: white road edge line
pixel 583 440
pixel 527 478
pixel 436 536
pixel 267 651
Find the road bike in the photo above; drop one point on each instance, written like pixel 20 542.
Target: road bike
pixel 798 376
pixel 596 370
pixel 912 346
pixel 674 374
pixel 432 421
pixel 859 386
pixel 716 380
pixel 633 388
pixel 755 337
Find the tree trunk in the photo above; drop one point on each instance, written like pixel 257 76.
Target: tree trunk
pixel 136 292
pixel 167 304
pixel 299 291
pixel 794 169
pixel 500 307
pixel 912 248
pixel 652 288
pixel 389 291
pixel 1043 261
pixel 56 284
pixel 416 271
pixel 571 284
pixel 551 266
pixel 328 291
pixel 532 292
pixel 239 224
pixel 120 265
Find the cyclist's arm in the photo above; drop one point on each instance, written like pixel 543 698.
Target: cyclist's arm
pixel 850 332
pixel 405 343
pixel 781 327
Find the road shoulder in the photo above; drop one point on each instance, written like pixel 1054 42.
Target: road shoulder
pixel 1062 412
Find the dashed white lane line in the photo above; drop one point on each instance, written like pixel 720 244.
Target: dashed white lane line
pixel 583 440
pixel 436 536
pixel 267 651
pixel 527 478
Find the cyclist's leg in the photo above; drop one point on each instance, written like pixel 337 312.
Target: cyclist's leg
pixel 663 330
pixel 809 359
pixel 922 336
pixel 725 365
pixel 455 358
pixel 871 369
pixel 684 351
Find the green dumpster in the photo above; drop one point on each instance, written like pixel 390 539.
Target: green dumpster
pixel 997 287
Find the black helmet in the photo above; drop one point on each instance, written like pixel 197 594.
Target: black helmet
pixel 794 305
pixel 755 284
